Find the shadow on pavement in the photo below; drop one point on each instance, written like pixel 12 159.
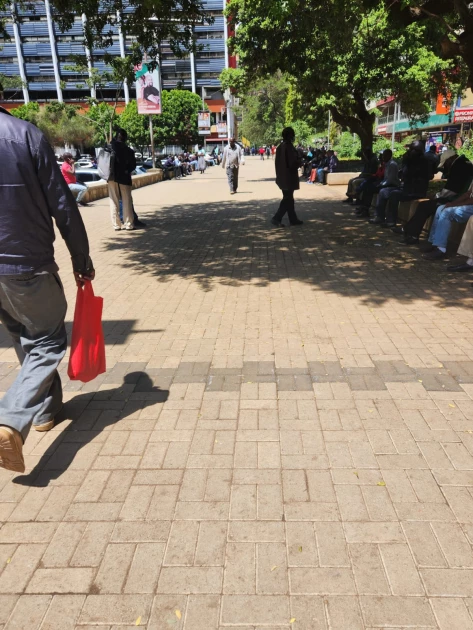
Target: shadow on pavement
pixel 91 414
pixel 231 242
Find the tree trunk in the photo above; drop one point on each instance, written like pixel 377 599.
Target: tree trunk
pixel 361 125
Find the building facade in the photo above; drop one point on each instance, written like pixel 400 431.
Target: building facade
pixel 41 55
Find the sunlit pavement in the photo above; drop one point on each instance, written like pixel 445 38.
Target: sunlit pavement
pixel 283 438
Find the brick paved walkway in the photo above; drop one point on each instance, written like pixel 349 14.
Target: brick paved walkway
pixel 284 437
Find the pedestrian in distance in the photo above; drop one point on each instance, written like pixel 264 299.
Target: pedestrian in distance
pixel 119 184
pixel 69 173
pixel 287 165
pixel 231 162
pixel 201 163
pixel 33 306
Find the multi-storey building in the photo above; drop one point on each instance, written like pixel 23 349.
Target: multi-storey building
pixel 42 55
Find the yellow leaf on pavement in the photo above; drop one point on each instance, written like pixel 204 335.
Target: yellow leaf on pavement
pixel 138 621
pixel 274 568
pixel 292 620
pixel 381 483
pixel 178 614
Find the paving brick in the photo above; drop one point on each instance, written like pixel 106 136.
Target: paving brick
pixel 168 609
pixel 28 612
pixel 424 545
pixel 344 613
pixel 144 570
pixel 271 573
pixel 255 609
pixel 397 611
pixel 401 570
pixel 331 545
pixel 368 569
pixel 63 612
pixel 451 614
pixel 321 581
pixel 114 568
pixel 21 568
pixel 448 582
pixel 89 552
pixel 70 580
pixel 190 580
pixel 309 612
pixel 116 609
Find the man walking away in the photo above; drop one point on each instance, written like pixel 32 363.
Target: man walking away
pixel 32 303
pixel 69 173
pixel 119 185
pixel 287 177
pixel 231 161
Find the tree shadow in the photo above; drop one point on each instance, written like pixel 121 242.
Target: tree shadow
pixel 232 242
pixel 91 414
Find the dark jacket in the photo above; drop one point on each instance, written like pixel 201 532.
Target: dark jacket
pixel 434 160
pixel 125 163
pixel 415 174
pixel 32 193
pixel 287 164
pixel 460 175
pixel 370 166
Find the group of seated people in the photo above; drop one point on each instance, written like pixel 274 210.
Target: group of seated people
pixel 182 165
pixel 409 181
pixel 318 163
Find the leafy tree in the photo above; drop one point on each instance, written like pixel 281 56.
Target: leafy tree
pixel 264 107
pixel 136 125
pixel 60 123
pixel 177 124
pixel 28 112
pixel 452 21
pixel 9 83
pixel 340 58
pixel 102 117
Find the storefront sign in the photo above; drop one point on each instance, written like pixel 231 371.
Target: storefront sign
pixel 383 129
pixel 464 114
pixel 203 123
pixel 222 129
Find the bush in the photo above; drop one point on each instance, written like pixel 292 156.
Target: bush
pixel 347 146
pixel 467 150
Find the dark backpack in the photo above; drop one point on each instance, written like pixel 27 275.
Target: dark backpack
pixel 106 163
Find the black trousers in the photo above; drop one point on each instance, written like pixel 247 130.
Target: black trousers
pixel 394 199
pixel 286 205
pixel 424 210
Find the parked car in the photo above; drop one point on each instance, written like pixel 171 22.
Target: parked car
pixel 88 175
pixel 140 170
pixel 85 164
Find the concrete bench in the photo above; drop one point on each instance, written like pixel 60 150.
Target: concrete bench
pixel 99 190
pixel 340 179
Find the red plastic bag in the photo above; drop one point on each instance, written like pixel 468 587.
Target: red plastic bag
pixel 87 358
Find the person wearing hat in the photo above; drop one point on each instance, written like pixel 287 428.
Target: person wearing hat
pixel 459 172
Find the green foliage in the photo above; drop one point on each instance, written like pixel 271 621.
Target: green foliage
pixel 177 124
pixel 102 117
pixel 10 84
pixel 28 112
pixel 347 146
pixel 467 150
pixel 60 123
pixel 136 125
pixel 340 56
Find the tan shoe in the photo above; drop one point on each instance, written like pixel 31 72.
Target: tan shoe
pixel 11 449
pixel 46 426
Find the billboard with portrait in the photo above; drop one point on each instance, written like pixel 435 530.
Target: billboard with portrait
pixel 148 89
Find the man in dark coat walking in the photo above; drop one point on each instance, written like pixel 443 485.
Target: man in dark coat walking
pixel 287 177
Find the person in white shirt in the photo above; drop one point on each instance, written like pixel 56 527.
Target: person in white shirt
pixel 177 168
pixel 231 161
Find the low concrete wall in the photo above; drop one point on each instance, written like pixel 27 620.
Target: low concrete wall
pixel 340 179
pixel 97 190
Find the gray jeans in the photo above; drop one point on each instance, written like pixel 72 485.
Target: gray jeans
pixel 232 176
pixel 32 309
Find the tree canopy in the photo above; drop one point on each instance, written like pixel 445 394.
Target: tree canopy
pixel 340 56
pixel 61 124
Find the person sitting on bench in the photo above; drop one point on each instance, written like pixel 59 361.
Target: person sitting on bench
pixel 459 211
pixel 459 172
